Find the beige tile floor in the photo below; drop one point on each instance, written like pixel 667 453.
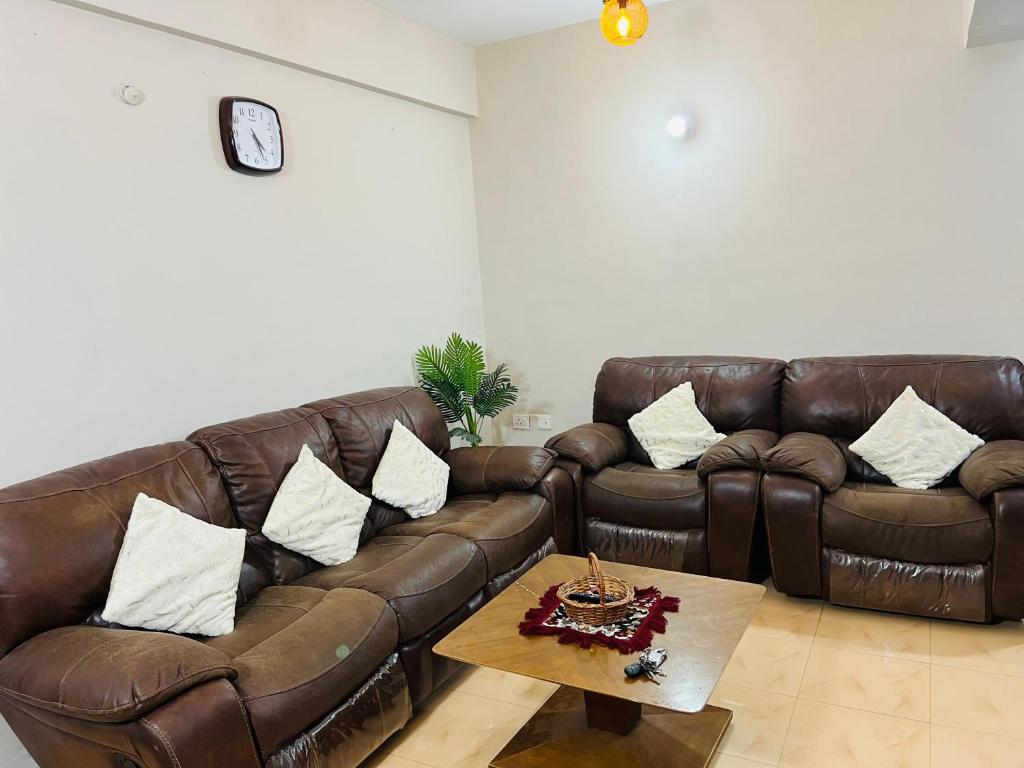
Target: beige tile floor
pixel 810 686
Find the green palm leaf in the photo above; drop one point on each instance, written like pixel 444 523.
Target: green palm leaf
pixel 496 392
pixel 463 392
pixel 446 396
pixel 465 361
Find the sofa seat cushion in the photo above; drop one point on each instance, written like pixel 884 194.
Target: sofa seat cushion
pixel 300 652
pixel 507 527
pixel 424 580
pixel 937 525
pixel 646 497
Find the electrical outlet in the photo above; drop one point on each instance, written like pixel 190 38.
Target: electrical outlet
pixel 543 420
pixel 520 421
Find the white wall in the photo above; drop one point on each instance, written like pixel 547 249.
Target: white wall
pixel 148 290
pixel 854 186
pixel 348 39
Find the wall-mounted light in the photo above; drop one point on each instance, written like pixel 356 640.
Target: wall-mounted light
pixel 678 127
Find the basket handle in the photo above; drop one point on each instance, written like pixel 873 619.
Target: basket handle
pixel 595 570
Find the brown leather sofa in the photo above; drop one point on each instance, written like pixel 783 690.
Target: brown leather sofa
pixel 839 530
pixel 701 518
pixel 325 662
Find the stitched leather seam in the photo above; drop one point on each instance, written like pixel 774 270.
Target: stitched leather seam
pixel 707 395
pixel 441 585
pixel 368 431
pixel 353 406
pixel 282 629
pixel 507 535
pixel 998 485
pixel 74 666
pixel 327 671
pixel 277 605
pixel 177 685
pixel 648 498
pixel 483 471
pixel 163 739
pixel 733 461
pixel 263 461
pixel 830 503
pixel 108 508
pixel 908 364
pixel 579 459
pixel 245 722
pixel 323 443
pixel 209 515
pixel 864 401
pixel 246 433
pixel 760 363
pixel 112 481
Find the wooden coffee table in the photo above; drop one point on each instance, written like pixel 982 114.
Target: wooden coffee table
pixel 599 717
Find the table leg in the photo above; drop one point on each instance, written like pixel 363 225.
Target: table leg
pixel 610 714
pixel 585 730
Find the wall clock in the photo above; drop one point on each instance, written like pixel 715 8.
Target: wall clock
pixel 250 131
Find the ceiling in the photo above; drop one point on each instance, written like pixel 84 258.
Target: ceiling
pixel 478 22
pixel 995 21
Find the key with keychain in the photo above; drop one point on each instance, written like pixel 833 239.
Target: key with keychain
pixel 648 665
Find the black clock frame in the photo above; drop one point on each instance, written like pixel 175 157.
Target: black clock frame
pixel 227 138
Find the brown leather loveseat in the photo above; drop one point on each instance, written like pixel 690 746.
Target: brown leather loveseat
pixel 325 662
pixel 701 518
pixel 839 530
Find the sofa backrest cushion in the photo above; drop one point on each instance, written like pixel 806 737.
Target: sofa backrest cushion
pixel 253 455
pixel 841 397
pixel 733 393
pixel 362 423
pixel 60 534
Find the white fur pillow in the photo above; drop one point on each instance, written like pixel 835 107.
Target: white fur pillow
pixel 410 476
pixel 915 445
pixel 175 573
pixel 316 513
pixel 672 429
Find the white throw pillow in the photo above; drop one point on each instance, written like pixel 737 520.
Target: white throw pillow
pixel 316 513
pixel 175 573
pixel 915 445
pixel 410 476
pixel 672 429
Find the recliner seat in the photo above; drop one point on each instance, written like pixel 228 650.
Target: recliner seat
pixel 701 518
pixel 840 530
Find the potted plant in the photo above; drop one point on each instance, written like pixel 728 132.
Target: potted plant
pixel 463 391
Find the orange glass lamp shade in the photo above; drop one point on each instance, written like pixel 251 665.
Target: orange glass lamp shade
pixel 623 22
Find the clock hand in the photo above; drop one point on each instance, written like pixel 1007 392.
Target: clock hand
pixel 259 145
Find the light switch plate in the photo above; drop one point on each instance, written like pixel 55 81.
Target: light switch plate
pixel 543 420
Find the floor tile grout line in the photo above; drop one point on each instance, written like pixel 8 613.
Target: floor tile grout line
pixel 979 733
pixel 862 709
pixel 789 723
pixel 498 701
pixel 977 671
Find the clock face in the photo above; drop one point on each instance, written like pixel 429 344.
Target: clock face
pixel 252 136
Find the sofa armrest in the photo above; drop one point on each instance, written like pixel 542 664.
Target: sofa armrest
pixel 107 675
pixel 807 455
pixel 493 468
pixel 993 467
pixel 740 450
pixel 593 446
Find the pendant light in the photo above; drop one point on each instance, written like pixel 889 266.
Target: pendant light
pixel 623 22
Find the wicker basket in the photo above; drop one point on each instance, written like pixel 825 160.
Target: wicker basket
pixel 616 595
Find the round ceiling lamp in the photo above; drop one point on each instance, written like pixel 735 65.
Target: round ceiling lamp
pixel 623 22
